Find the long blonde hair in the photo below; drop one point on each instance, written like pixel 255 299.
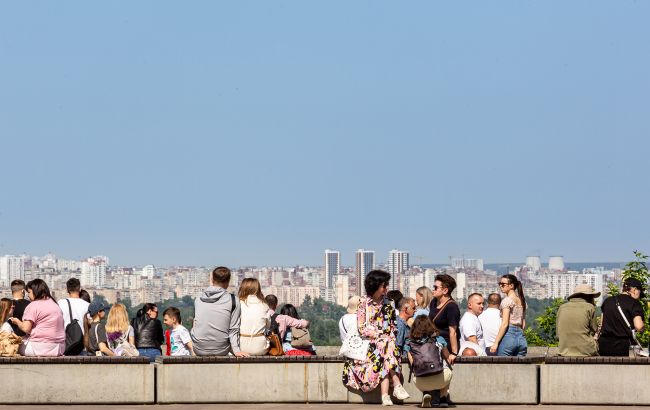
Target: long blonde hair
pixel 250 286
pixel 5 307
pixel 118 319
pixel 426 295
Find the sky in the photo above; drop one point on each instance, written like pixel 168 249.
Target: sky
pixel 261 133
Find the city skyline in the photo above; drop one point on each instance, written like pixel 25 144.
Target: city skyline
pixel 260 134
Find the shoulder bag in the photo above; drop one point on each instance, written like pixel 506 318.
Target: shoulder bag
pixel 354 346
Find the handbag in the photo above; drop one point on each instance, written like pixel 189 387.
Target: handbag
pixel 9 344
pixel 275 345
pixel 354 346
pixel 300 338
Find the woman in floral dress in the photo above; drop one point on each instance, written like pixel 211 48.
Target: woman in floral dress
pixel 376 320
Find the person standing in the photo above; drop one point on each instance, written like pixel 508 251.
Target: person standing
pixel 510 340
pixel 615 334
pixel 20 303
pixel 148 331
pixel 576 323
pixel 445 314
pixel 491 321
pixel 376 321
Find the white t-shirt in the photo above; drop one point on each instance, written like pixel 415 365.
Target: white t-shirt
pixel 79 310
pixel 490 322
pixel 6 328
pixel 178 338
pixel 348 325
pixel 470 326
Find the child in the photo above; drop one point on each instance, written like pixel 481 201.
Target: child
pixel 95 339
pixel 119 333
pixel 179 338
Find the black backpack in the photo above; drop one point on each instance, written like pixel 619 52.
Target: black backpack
pixel 74 337
pixel 275 327
pixel 427 359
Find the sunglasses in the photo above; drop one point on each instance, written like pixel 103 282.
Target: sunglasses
pixel 502 284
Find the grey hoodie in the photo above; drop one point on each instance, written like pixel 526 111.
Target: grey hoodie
pixel 216 328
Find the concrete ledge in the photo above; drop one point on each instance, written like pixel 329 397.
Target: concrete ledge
pixel 214 380
pixel 594 383
pixel 73 380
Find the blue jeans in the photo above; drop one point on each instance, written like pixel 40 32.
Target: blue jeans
pixel 513 343
pixel 150 352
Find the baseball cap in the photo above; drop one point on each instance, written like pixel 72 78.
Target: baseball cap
pixel 634 283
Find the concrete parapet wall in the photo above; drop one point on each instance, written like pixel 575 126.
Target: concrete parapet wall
pixel 316 379
pixel 76 382
pixel 595 381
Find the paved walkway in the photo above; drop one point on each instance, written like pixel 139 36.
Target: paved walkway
pixel 285 406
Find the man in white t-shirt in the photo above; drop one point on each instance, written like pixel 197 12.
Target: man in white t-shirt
pixel 79 306
pixel 471 332
pixel 491 321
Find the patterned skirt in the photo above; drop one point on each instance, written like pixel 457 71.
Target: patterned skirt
pixel 383 356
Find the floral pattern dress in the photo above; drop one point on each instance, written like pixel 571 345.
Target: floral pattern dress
pixel 383 355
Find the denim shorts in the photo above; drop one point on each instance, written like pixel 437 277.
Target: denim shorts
pixel 513 343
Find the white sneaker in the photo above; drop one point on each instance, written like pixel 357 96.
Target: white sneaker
pixel 426 401
pixel 399 393
pixel 385 400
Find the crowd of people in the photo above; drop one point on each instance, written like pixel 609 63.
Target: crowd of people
pixel 224 323
pixel 426 330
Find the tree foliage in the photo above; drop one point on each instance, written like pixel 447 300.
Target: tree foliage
pixel 324 319
pixel 542 330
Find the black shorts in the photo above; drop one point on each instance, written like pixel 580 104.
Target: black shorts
pixel 613 346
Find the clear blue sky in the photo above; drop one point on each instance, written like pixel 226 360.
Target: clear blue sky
pixel 264 132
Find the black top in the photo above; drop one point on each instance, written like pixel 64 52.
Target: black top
pixel 148 331
pixel 449 317
pixel 19 309
pixel 96 335
pixel 613 324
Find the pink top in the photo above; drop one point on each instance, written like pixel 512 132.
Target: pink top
pixel 285 321
pixel 516 311
pixel 47 320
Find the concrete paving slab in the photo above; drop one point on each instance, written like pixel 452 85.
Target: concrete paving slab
pixel 298 406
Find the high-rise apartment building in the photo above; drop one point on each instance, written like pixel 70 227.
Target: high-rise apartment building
pixel 342 289
pixel 93 272
pixel 11 267
pixel 463 263
pixel 398 262
pixel 332 267
pixel 365 263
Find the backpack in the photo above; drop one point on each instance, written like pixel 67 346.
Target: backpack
pixel 427 360
pixel 300 338
pixel 74 337
pixel 275 326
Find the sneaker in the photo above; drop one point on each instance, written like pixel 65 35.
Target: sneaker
pixel 446 401
pixel 385 400
pixel 426 401
pixel 399 393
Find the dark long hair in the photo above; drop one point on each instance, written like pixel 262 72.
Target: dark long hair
pixel 518 287
pixel 40 289
pixel 289 310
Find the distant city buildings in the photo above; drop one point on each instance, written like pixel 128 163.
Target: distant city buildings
pixel 11 267
pixel 398 263
pixel 334 282
pixel 365 262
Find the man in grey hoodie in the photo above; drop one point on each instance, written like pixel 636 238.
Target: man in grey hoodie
pixel 217 319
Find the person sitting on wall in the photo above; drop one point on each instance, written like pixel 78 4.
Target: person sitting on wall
pixel 148 330
pixel 217 317
pixel 615 335
pixel 577 324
